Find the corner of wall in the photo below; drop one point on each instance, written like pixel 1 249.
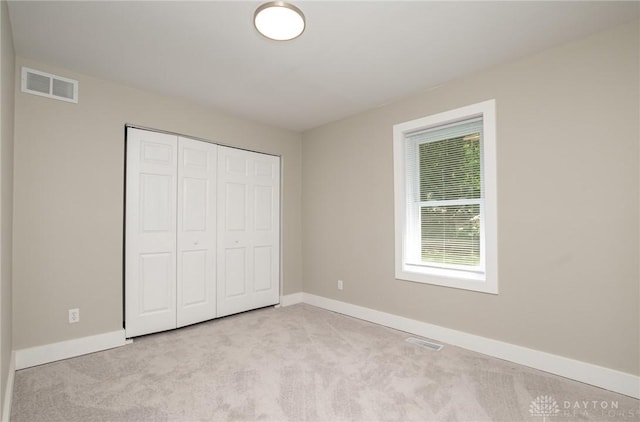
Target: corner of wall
pixel 7 397
pixel 7 106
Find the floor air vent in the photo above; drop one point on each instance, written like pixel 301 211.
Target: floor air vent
pixel 48 85
pixel 425 344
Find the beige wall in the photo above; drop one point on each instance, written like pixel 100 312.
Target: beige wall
pixel 7 62
pixel 568 139
pixel 69 164
pixel 569 183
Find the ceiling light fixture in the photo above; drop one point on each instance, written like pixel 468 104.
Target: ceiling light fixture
pixel 279 21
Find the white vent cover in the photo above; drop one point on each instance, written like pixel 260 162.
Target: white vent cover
pixel 424 343
pixel 48 85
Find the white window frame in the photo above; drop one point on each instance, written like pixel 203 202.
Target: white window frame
pixel 484 279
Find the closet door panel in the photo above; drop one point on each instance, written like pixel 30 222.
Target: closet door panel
pixel 235 275
pixel 194 276
pixel 235 207
pixel 196 239
pixel 266 230
pixel 150 236
pixel 248 230
pixel 156 287
pixel 234 231
pixel 262 268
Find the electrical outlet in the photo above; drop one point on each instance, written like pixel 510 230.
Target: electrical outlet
pixel 339 284
pixel 74 315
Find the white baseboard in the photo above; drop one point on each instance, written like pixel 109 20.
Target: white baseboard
pixel 609 379
pixel 292 299
pixel 39 355
pixel 8 392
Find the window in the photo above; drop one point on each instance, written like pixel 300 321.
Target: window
pixel 445 199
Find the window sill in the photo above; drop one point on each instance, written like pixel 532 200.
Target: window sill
pixel 465 280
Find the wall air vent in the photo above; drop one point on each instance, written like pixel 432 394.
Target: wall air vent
pixel 48 85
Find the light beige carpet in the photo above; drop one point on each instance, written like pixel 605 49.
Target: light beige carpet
pixel 300 363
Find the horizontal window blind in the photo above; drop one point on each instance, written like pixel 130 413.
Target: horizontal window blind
pixel 450 235
pixel 445 194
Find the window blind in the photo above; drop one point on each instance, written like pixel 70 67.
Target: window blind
pixel 445 195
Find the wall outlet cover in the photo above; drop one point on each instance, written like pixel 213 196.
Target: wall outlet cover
pixel 74 315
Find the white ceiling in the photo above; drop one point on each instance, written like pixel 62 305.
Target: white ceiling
pixel 353 56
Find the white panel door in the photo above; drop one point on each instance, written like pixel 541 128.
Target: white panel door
pixel 150 232
pixel 248 230
pixel 196 254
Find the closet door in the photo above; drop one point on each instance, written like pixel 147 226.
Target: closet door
pixel 196 272
pixel 150 232
pixel 248 230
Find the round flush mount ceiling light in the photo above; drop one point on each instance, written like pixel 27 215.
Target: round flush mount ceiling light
pixel 279 21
